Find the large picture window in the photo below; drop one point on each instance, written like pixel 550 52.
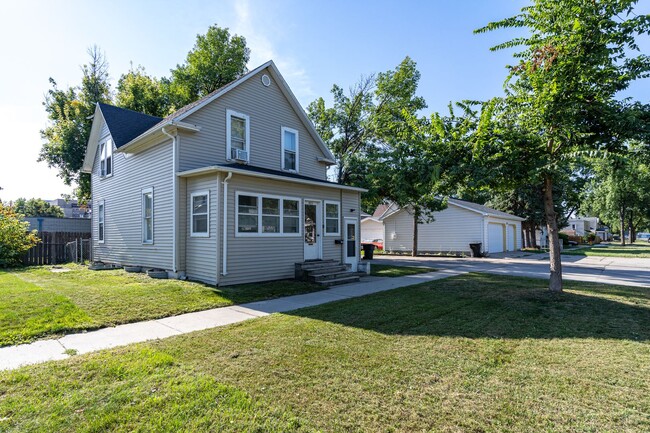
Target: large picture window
pixel 147 216
pixel 100 222
pixel 289 149
pixel 332 218
pixel 200 207
pixel 262 215
pixel 237 136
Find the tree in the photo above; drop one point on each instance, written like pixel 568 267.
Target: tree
pixel 578 56
pixel 216 59
pixel 138 91
pixel 346 126
pixel 36 207
pixel 69 113
pixel 15 239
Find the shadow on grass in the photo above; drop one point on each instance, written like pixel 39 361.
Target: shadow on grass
pixel 490 306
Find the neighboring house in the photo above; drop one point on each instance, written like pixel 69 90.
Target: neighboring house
pixel 71 208
pixel 584 225
pixel 453 229
pixel 65 225
pixel 230 189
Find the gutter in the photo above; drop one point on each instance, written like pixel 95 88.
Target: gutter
pixel 174 197
pixel 224 254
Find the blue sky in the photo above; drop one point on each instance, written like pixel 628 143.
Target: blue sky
pixel 314 44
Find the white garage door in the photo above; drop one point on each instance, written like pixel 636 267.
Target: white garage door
pixel 511 237
pixel 495 238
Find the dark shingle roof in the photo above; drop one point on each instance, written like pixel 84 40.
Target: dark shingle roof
pixel 124 124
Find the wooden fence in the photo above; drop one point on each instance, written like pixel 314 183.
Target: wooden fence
pixel 52 248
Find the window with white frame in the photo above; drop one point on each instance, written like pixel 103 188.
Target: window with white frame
pixel 100 221
pixel 106 158
pixel 332 218
pixel 263 215
pixel 289 149
pixel 147 216
pixel 200 202
pixel 237 136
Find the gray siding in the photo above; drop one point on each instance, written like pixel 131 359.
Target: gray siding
pixel 201 252
pixel 399 232
pixel 123 207
pixel 262 258
pixel 269 111
pixel 70 225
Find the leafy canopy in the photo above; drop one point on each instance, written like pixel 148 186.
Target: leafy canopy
pixel 36 207
pixel 15 239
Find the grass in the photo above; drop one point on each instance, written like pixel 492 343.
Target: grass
pixel 637 250
pixel 397 271
pixel 475 353
pixel 36 302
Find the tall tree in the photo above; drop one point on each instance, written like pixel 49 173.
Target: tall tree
pixel 578 55
pixel 140 92
pixel 69 113
pixel 216 59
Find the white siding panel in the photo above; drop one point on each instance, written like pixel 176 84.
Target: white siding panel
pixel 398 232
pixel 269 111
pixel 451 232
pixel 123 208
pixel 371 230
pixel 201 257
pixel 259 258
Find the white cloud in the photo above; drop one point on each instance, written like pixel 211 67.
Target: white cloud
pixel 258 31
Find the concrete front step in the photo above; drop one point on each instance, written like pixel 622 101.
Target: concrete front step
pixel 324 276
pixel 325 272
pixel 337 281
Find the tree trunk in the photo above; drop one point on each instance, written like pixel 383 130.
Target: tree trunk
pixel 622 216
pixel 416 218
pixel 533 235
pixel 555 282
pixel 526 234
pixel 631 228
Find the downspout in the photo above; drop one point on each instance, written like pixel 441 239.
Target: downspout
pixel 174 197
pixel 224 254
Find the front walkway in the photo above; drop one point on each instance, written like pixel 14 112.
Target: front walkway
pixel 12 357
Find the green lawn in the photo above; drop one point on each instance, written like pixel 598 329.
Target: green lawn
pixel 637 250
pixel 397 271
pixel 36 302
pixel 474 353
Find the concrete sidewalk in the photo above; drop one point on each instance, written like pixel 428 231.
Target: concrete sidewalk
pixel 12 357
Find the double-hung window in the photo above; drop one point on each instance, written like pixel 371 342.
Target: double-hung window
pixel 147 216
pixel 289 149
pixel 267 215
pixel 106 158
pixel 237 136
pixel 200 214
pixel 100 221
pixel 332 218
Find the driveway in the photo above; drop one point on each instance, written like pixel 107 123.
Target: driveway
pixel 606 270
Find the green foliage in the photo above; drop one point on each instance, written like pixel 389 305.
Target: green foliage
pixel 36 207
pixel 138 91
pixel 216 59
pixel 69 113
pixel 15 239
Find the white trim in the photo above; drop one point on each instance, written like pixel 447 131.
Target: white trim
pixel 224 258
pixel 338 218
pixel 259 232
pixel 353 261
pixel 217 168
pixel 297 152
pixel 194 234
pixel 247 142
pixel 319 225
pixel 143 192
pixel 101 215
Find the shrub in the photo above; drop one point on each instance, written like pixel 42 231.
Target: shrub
pixel 565 239
pixel 590 238
pixel 15 239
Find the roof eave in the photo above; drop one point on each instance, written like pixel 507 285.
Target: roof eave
pixel 140 139
pixel 219 169
pixel 93 137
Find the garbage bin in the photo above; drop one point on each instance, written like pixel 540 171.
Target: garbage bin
pixel 476 249
pixel 368 251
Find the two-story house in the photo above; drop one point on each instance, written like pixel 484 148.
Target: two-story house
pixel 229 189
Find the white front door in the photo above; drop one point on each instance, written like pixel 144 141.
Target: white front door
pixel 351 243
pixel 313 227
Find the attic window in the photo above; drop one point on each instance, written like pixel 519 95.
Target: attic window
pixel 106 158
pixel 266 80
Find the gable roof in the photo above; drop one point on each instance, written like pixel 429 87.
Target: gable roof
pixel 467 205
pixel 124 125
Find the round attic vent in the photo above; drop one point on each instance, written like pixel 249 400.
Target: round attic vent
pixel 266 80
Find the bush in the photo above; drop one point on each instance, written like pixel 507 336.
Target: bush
pixel 565 239
pixel 15 239
pixel 590 238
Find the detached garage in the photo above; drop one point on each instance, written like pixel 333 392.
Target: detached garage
pixel 454 228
